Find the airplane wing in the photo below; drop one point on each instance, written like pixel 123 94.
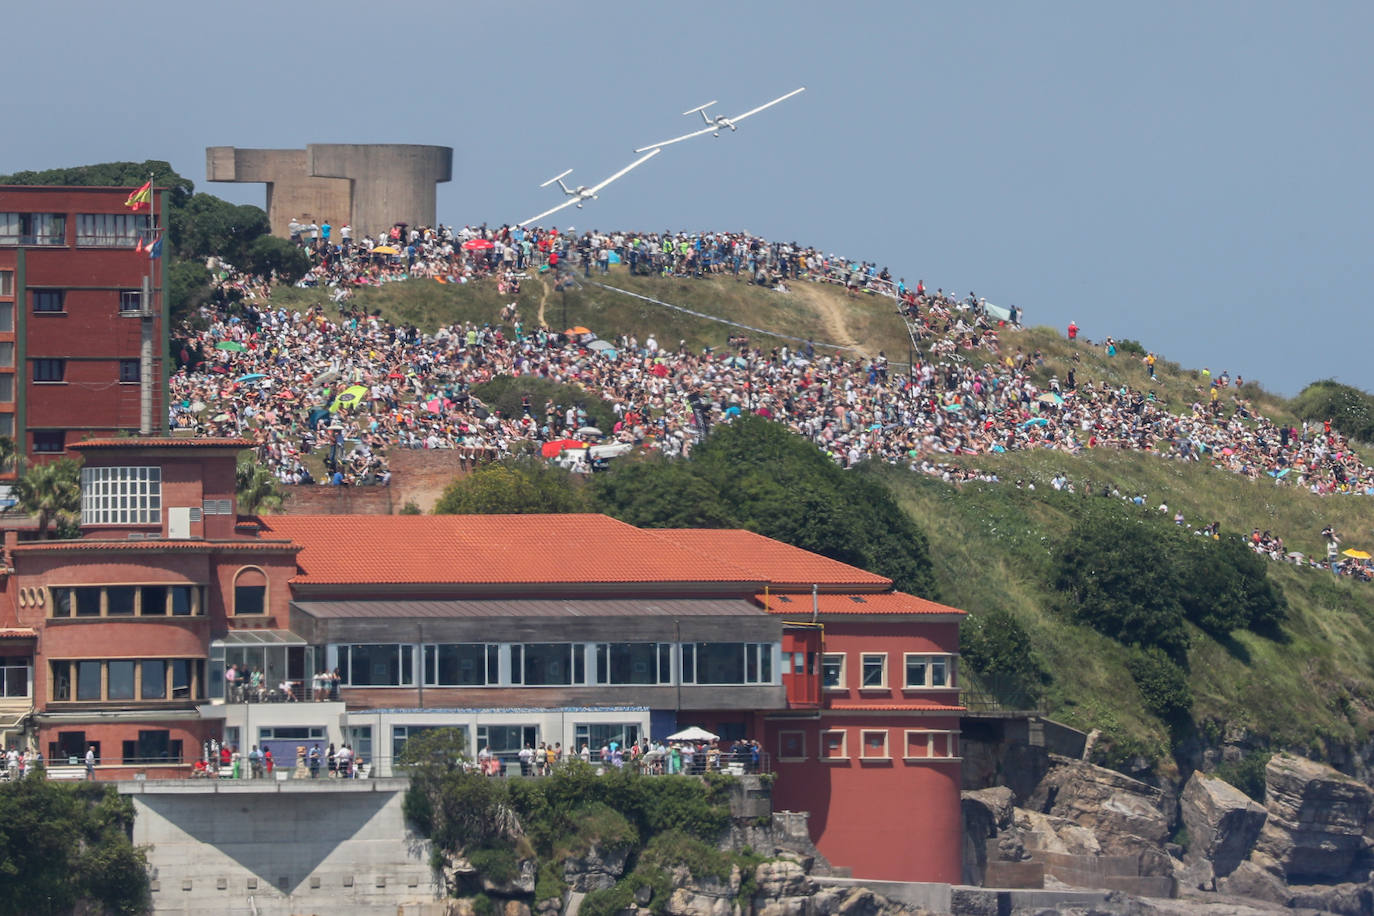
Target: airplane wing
pixel 695 133
pixel 638 162
pixel 754 111
pixel 567 203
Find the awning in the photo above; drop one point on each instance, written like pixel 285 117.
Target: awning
pixel 258 638
pixel 18 633
pixel 10 720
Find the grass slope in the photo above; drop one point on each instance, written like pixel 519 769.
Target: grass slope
pixel 992 543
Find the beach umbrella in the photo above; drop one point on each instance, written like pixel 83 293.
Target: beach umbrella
pixel 577 330
pixel 1356 554
pixel 694 733
pixel 435 405
pixel 1035 421
pixel 251 377
pixel 385 249
pixel 609 450
pixel 589 432
pixel 477 245
pixel 232 346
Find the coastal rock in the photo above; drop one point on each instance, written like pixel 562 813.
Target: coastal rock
pixel 596 869
pixel 522 885
pixel 515 908
pixel 1344 899
pixel 1317 818
pixel 1115 808
pixel 1043 833
pixel 781 879
pixel 1223 822
pixel 1250 880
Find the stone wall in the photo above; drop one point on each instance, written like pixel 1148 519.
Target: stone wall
pixel 277 848
pixel 417 475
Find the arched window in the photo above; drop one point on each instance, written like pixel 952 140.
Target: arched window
pixel 250 591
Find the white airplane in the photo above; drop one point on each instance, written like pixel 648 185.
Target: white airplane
pixel 714 125
pixel 581 193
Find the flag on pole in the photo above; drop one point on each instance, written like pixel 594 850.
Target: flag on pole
pixel 140 198
pixel 140 247
pixel 155 249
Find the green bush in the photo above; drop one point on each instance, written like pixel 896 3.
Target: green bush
pixel 1000 650
pixel 1130 346
pixel 1247 773
pixel 1350 410
pixel 1225 586
pixel 504 394
pixel 1163 685
pixel 496 863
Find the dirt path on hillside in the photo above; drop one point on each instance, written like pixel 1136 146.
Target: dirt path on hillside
pixel 832 313
pixel 543 298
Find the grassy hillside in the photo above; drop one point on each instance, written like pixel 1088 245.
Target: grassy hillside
pixel 993 543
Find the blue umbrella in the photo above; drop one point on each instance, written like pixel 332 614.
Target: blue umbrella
pixel 1036 421
pixel 251 377
pixel 954 407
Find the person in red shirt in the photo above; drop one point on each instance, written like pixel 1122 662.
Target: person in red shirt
pixel 1073 330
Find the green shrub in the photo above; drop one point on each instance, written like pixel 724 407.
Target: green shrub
pixel 1163 684
pixel 1133 347
pixel 496 863
pixel 1000 651
pixel 1247 773
pixel 1350 410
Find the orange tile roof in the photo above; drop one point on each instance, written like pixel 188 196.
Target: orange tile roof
pixel 18 633
pixel 188 546
pixel 490 550
pixel 897 707
pixel 779 564
pixel 828 604
pixel 162 442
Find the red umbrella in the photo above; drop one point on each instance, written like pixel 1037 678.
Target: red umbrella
pixel 477 245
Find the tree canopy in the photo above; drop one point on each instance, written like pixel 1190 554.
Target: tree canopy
pixel 1350 410
pixel 514 486
pixel 52 492
pixel 755 474
pixel 64 848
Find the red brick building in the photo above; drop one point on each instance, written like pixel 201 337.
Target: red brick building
pixel 70 307
pixel 568 629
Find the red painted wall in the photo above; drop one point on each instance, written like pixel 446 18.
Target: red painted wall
pixel 894 819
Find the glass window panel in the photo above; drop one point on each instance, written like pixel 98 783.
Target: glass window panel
pixel 121 676
pixel 181 678
pixel 632 663
pixel 547 664
pixel 456 665
pixel 6 276
pixel 938 671
pixel 87 602
pixel 874 670
pixel 120 600
pixel 832 670
pixel 154 684
pixel 375 665
pixel 720 663
pixel 7 317
pixel 250 599
pixel 916 671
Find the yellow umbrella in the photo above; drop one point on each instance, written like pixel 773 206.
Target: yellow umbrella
pixel 350 397
pixel 1356 554
pixel 384 249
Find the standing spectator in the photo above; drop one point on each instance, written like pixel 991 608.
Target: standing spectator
pixel 90 762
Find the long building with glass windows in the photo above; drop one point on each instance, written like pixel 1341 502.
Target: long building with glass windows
pixel 564 630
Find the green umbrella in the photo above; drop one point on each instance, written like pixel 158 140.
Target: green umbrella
pixel 235 346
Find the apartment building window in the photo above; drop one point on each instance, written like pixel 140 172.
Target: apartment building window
pixel 377 665
pixel 49 370
pixel 42 228
pixel 832 671
pixel 49 441
pixel 9 228
pixel 400 734
pixel 130 370
pixel 791 745
pixel 461 664
pixel 506 740
pixel 7 319
pixel 49 300
pixel 597 735
pixel 121 495
pixel 110 230
pixel 7 419
pixel 634 663
pixel 130 300
pixel 929 671
pixel 7 354
pixel 833 745
pixel 923 743
pixel 548 664
pixel 6 276
pixel 727 663
pixel 875 744
pixel 127 680
pixel 127 600
pixel 152 746
pixel 874 670
pixel 14 677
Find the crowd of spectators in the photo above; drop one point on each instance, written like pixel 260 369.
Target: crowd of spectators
pixel 273 374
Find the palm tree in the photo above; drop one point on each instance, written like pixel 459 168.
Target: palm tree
pixel 6 454
pixel 255 487
pixel 51 491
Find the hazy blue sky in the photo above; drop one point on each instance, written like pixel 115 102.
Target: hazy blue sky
pixel 1192 175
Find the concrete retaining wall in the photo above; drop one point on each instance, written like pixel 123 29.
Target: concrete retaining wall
pixel 274 849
